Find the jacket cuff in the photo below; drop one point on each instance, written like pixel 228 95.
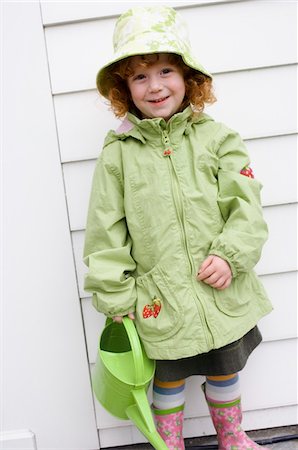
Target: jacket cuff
pixel 100 307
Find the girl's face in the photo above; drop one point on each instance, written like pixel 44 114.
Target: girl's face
pixel 157 90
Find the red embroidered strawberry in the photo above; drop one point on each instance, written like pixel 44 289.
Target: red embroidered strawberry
pixel 156 307
pixel 247 172
pixel 147 311
pixel 152 309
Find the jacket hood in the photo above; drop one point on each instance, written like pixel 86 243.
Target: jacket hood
pixel 148 30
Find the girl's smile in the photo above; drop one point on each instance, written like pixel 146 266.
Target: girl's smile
pixel 159 100
pixel 157 90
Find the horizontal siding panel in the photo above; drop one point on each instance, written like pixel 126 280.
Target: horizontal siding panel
pixel 280 324
pixel 78 180
pixel 57 12
pixel 274 161
pixel 276 358
pixel 83 119
pixel 264 357
pixel 249 101
pixel 279 253
pixel 202 426
pixel 267 165
pixel 76 51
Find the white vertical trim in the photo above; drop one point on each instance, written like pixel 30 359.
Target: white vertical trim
pixel 46 385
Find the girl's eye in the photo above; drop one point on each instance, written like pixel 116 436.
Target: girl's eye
pixel 138 77
pixel 166 70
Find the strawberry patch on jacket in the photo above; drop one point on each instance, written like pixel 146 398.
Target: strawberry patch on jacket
pixel 152 309
pixel 247 172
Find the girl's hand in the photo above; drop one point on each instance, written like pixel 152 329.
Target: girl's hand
pixel 216 272
pixel 118 319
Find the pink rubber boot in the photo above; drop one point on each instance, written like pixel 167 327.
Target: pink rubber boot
pixel 170 425
pixel 227 419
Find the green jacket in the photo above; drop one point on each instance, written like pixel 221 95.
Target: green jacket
pixel 165 195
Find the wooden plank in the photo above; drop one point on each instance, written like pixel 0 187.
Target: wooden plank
pixel 78 179
pixel 266 358
pixel 78 176
pixel 280 324
pixel 245 101
pixel 279 252
pixel 62 12
pixel 83 119
pixel 274 161
pixel 76 51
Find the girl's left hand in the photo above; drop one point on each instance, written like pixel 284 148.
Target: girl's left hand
pixel 216 272
pixel 118 319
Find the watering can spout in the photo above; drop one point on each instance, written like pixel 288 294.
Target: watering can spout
pixel 140 414
pixel 144 410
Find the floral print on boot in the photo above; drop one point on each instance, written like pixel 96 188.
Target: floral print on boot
pixel 227 419
pixel 170 425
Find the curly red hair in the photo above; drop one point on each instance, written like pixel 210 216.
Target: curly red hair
pixel 198 87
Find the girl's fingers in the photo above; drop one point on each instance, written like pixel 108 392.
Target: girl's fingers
pixel 213 266
pixel 226 284
pixel 212 279
pixel 205 264
pixel 118 319
pixel 218 281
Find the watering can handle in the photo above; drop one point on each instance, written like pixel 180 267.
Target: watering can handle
pixel 137 352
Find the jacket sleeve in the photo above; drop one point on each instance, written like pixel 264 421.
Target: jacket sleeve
pixel 107 249
pixel 245 231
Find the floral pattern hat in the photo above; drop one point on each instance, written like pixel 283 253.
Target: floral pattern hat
pixel 147 30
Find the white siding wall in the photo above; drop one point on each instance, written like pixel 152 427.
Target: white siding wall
pixel 249 46
pixel 255 79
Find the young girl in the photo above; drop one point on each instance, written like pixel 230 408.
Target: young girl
pixel 175 224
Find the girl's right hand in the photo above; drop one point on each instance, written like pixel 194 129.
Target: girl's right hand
pixel 118 319
pixel 216 272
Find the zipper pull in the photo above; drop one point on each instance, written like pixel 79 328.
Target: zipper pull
pixel 166 141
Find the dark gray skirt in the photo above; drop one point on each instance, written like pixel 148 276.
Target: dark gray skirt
pixel 223 361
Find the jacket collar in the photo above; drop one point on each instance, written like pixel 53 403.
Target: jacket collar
pixel 151 129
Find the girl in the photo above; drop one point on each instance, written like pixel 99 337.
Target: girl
pixel 175 224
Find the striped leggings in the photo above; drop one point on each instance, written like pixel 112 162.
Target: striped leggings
pixel 169 396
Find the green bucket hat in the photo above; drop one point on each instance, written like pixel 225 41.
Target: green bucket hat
pixel 147 30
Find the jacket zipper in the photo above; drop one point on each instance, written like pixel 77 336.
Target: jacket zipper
pixel 178 201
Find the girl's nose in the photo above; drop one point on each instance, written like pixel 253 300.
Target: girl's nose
pixel 155 84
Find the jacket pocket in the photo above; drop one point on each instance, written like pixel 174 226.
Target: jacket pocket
pixel 158 312
pixel 235 300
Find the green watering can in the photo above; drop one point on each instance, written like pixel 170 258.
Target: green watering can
pixel 122 375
